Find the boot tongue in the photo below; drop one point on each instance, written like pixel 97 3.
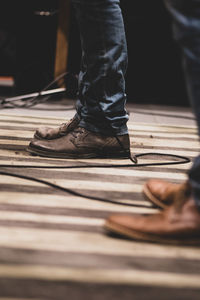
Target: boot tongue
pixel 182 196
pixel 65 127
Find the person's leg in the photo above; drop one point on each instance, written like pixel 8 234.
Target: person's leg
pixel 104 62
pixel 102 129
pixel 101 90
pixel 180 222
pixel 186 29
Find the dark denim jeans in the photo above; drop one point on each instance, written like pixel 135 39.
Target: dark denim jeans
pixel 186 28
pixel 104 63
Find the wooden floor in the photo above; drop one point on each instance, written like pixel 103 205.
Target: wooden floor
pixel 53 245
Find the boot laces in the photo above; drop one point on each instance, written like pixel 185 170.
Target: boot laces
pixel 78 131
pixel 64 126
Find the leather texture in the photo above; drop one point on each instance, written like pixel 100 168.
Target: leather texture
pixel 162 193
pixel 82 143
pixel 54 133
pixel 178 224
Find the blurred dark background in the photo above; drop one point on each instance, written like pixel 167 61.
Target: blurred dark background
pixel 28 40
pixel 154 72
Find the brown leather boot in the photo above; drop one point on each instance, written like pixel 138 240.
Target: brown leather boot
pixel 162 193
pixel 178 224
pixel 81 143
pixel 49 133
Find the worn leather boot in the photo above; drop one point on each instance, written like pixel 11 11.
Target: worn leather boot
pixel 49 133
pixel 81 143
pixel 178 224
pixel 162 193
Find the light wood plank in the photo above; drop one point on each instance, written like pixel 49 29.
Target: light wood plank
pixel 84 242
pixel 99 276
pixel 68 201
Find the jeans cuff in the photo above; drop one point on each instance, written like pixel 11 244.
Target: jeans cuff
pixel 104 131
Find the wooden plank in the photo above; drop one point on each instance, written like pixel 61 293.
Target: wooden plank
pixel 37 220
pixel 67 201
pixel 62 43
pixel 99 276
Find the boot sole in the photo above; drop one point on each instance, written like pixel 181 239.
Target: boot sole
pixel 149 196
pixel 120 154
pixel 145 237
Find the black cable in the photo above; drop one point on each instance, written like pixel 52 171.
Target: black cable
pixel 5 103
pixel 33 100
pixel 182 160
pixel 72 192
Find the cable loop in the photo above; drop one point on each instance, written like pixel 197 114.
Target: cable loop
pixel 182 160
